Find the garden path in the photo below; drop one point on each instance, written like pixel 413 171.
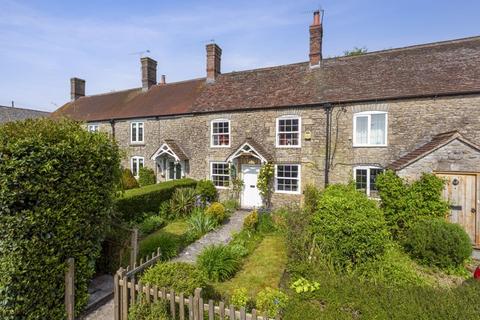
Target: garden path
pixel 189 254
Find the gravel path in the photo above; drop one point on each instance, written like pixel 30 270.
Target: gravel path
pixel 189 254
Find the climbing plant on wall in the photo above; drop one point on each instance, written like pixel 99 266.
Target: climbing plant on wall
pixel 265 182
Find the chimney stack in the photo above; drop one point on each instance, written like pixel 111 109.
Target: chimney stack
pixel 214 54
pixel 77 88
pixel 316 35
pixel 163 79
pixel 149 73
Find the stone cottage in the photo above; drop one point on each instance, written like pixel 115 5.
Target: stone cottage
pixel 413 109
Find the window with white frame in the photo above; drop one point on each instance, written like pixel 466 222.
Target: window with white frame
pixel 220 133
pixel 365 180
pixel 220 174
pixel 137 132
pixel 288 131
pixel 93 128
pixel 370 129
pixel 287 178
pixel 136 164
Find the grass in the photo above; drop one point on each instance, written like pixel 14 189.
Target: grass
pixel 263 268
pixel 155 187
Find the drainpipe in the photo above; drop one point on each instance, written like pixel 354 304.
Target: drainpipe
pixel 112 123
pixel 328 112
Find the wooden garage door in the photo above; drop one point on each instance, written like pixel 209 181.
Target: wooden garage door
pixel 461 192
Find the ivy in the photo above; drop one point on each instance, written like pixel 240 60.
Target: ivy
pixel 265 182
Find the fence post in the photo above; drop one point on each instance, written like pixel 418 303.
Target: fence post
pixel 70 289
pixel 134 252
pixel 196 304
pixel 116 295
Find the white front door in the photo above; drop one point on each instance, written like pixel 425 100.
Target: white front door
pixel 251 195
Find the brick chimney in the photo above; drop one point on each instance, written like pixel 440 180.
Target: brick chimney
pixel 149 73
pixel 214 54
pixel 316 35
pixel 77 88
pixel 163 79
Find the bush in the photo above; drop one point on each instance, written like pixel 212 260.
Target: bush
pixel 349 227
pixel 180 276
pixel 182 202
pixel 147 199
pixel 128 180
pixel 146 177
pixel 148 311
pixel 311 194
pixel 239 297
pixel 438 243
pixel 271 302
pixel 199 224
pixel 167 244
pixel 207 191
pixel 218 262
pixel 299 236
pixel 165 211
pixel 150 224
pixel 231 206
pixel 216 211
pixel 239 250
pixel 251 221
pixel 57 186
pixel 404 204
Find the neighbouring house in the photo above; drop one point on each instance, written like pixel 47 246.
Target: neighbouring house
pixel 8 114
pixel 327 120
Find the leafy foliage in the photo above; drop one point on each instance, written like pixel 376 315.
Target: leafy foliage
pixel 151 224
pixel 230 206
pixel 404 204
pixel 146 177
pixel 239 250
pixel 57 185
pixel 181 276
pixel 239 297
pixel 302 285
pixel 148 311
pixel 199 223
pixel 167 244
pixel 311 194
pixel 436 242
pixel 207 191
pixel 271 301
pixel 349 227
pixel 218 262
pixel 251 221
pixel 356 51
pixel 265 182
pixel 147 199
pixel 128 180
pixel 216 211
pixel 183 202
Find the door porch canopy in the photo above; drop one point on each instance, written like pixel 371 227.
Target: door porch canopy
pixel 250 148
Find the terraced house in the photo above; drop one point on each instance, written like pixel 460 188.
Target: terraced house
pixel 413 109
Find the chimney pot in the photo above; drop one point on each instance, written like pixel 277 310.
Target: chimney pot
pixel 163 79
pixel 214 54
pixel 316 35
pixel 149 73
pixel 77 88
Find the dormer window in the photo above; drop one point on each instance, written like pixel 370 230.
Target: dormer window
pixel 288 131
pixel 220 136
pixel 136 130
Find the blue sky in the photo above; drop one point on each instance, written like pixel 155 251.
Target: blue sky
pixel 45 43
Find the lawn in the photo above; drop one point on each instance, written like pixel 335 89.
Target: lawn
pixel 175 230
pixel 263 268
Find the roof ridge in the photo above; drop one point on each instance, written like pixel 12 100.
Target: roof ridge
pixel 21 108
pixel 107 93
pixel 409 47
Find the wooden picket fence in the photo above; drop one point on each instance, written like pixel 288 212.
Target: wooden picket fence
pixel 127 292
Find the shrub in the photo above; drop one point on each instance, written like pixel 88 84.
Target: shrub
pixel 207 191
pixel 404 204
pixel 146 177
pixel 349 227
pixel 216 211
pixel 302 285
pixel 239 250
pixel 128 180
pixel 167 244
pixel 165 211
pixel 251 221
pixel 271 302
pixel 199 223
pixel 151 224
pixel 147 199
pixel 148 311
pixel 182 202
pixel 438 243
pixel 311 194
pixel 231 206
pixel 218 262
pixel 57 186
pixel 239 297
pixel 180 276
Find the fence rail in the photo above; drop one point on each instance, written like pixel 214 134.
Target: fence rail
pixel 127 291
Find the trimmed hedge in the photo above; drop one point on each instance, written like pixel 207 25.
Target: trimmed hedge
pixel 146 177
pixel 57 187
pixel 148 199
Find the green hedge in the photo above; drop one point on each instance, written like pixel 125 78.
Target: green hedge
pixel 57 187
pixel 135 202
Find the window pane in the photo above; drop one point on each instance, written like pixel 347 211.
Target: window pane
pixel 288 132
pixel 134 166
pixel 140 132
pixel 361 179
pixel 287 178
pixel 377 130
pixel 171 170
pixel 373 178
pixel 134 132
pixel 178 171
pixel 361 133
pixel 220 174
pixel 220 131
